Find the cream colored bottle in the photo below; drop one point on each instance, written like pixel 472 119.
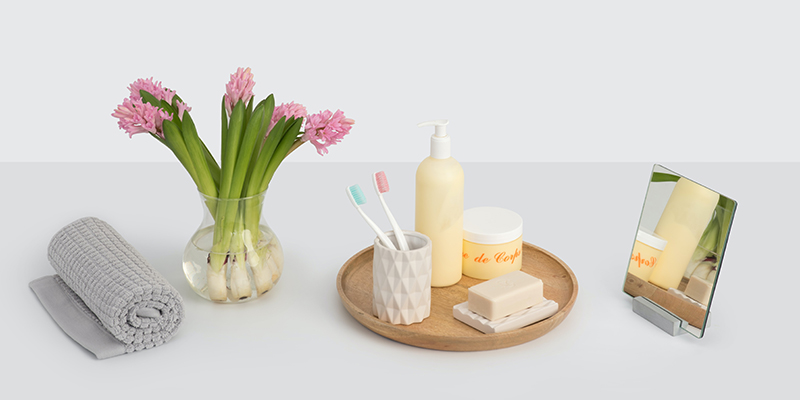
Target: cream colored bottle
pixel 439 211
pixel 685 217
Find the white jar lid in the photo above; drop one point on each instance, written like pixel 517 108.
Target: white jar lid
pixel 651 239
pixel 491 225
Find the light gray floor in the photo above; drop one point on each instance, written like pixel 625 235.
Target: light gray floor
pixel 299 339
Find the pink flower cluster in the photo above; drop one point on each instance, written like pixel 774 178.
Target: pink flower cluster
pixel 322 130
pixel 136 116
pixel 151 87
pixel 240 87
pixel 326 129
pixel 287 110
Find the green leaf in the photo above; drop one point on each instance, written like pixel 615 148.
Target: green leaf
pixel 224 135
pixel 171 111
pixel 197 155
pixel 249 111
pixel 248 141
pixel 664 177
pixel 267 107
pixel 226 211
pixel 149 98
pixel 725 222
pixel 280 152
pixel 272 141
pixel 212 164
pixel 174 140
pixel 233 175
pixel 235 129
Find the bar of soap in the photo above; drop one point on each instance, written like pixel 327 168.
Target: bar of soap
pixel 505 295
pixel 686 298
pixel 517 320
pixel 699 289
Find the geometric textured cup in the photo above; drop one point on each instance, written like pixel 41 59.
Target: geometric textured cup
pixel 401 280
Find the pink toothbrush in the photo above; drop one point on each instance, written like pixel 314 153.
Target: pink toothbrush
pixel 382 186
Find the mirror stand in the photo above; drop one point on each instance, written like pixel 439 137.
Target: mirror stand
pixel 658 316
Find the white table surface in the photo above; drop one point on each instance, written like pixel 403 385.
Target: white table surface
pixel 299 339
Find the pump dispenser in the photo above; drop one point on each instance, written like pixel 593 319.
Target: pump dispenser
pixel 439 212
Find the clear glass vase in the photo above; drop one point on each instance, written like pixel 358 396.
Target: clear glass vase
pixel 233 256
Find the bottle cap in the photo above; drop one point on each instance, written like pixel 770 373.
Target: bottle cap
pixel 491 225
pixel 651 239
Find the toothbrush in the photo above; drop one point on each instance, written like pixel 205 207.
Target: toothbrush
pixel 382 186
pixel 356 197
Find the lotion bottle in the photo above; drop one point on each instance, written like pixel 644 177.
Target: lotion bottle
pixel 685 217
pixel 439 212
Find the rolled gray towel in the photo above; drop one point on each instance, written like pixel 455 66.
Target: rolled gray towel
pixel 106 296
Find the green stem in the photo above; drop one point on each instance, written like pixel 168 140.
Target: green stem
pixel 234 173
pixel 237 244
pixel 226 210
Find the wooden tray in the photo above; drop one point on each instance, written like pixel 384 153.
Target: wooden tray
pixel 441 331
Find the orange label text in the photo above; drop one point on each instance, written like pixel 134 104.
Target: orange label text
pixel 647 262
pixel 500 257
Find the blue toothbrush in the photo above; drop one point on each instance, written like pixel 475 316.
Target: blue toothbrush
pixel 357 197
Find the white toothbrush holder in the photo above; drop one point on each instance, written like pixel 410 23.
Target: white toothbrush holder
pixel 401 280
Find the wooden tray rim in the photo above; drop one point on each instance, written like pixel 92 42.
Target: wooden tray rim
pixel 460 343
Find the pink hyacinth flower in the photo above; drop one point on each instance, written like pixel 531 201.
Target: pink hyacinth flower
pixel 154 88
pixel 240 87
pixel 182 107
pixel 159 92
pixel 326 129
pixel 136 116
pixel 287 110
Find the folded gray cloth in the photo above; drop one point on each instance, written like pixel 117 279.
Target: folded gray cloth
pixel 106 296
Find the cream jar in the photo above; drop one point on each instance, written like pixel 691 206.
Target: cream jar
pixel 492 242
pixel 645 255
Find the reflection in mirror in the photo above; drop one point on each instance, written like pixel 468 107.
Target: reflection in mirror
pixel 678 247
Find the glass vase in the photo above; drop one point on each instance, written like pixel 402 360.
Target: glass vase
pixel 233 256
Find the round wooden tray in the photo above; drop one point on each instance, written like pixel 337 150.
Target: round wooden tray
pixel 441 331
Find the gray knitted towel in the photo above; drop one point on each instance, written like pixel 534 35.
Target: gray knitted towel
pixel 106 296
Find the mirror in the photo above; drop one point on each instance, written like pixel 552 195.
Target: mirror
pixel 678 247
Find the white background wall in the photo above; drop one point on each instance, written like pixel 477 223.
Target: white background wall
pixel 520 81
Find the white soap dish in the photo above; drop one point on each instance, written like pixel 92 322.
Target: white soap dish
pixel 516 320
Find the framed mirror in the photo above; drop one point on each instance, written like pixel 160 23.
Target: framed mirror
pixel 678 247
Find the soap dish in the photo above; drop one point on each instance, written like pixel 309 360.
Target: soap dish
pixel 441 331
pixel 516 320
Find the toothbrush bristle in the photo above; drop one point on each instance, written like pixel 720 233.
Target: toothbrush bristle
pixel 383 183
pixel 358 195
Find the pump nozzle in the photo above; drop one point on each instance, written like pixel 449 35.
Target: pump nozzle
pixel 440 124
pixel 440 142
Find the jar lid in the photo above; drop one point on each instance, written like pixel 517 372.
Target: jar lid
pixel 651 239
pixel 491 225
